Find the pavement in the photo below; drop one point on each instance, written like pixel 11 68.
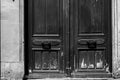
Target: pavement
pixel 76 79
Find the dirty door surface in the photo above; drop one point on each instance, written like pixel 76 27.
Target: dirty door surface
pixel 68 37
pixel 90 26
pixel 45 30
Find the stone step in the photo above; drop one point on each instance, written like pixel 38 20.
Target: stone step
pixel 75 79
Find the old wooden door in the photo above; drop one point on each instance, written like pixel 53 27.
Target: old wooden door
pixel 69 37
pixel 90 37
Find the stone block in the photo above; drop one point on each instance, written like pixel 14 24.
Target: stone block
pixel 13 70
pixel 10 31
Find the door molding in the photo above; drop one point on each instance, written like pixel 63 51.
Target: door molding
pixel 115 36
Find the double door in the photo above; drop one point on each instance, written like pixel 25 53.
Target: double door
pixel 69 37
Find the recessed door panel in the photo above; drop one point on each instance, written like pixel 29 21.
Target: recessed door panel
pixel 91 60
pixel 51 63
pixel 91 16
pixel 46 16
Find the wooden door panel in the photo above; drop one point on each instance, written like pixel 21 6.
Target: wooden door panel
pixel 46 16
pixel 46 60
pixel 90 59
pixel 52 17
pixel 39 16
pixel 90 26
pixel 91 16
pixel 45 36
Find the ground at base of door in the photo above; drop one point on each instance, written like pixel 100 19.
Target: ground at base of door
pixel 76 79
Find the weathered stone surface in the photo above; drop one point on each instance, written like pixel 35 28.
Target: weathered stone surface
pixel 9 30
pixel 116 54
pixel 12 70
pixel 11 66
pixel 119 34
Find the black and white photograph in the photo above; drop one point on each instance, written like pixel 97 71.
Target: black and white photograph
pixel 59 39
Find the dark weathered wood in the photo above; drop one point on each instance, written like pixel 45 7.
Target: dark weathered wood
pixel 30 24
pixel 91 16
pixel 46 16
pixel 91 29
pixel 52 16
pixel 69 37
pixel 39 16
pixel 72 38
pixel 38 60
pixel 66 35
pixel 45 31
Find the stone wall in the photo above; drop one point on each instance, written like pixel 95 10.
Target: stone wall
pixel 119 33
pixel 12 59
pixel 114 34
pixel 12 65
pixel 116 38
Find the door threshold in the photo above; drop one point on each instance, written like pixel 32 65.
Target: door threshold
pixel 44 75
pixel 91 75
pixel 74 79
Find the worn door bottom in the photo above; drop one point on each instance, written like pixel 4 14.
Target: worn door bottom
pixel 74 75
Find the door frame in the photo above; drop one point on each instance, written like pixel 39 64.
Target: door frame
pixel 114 43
